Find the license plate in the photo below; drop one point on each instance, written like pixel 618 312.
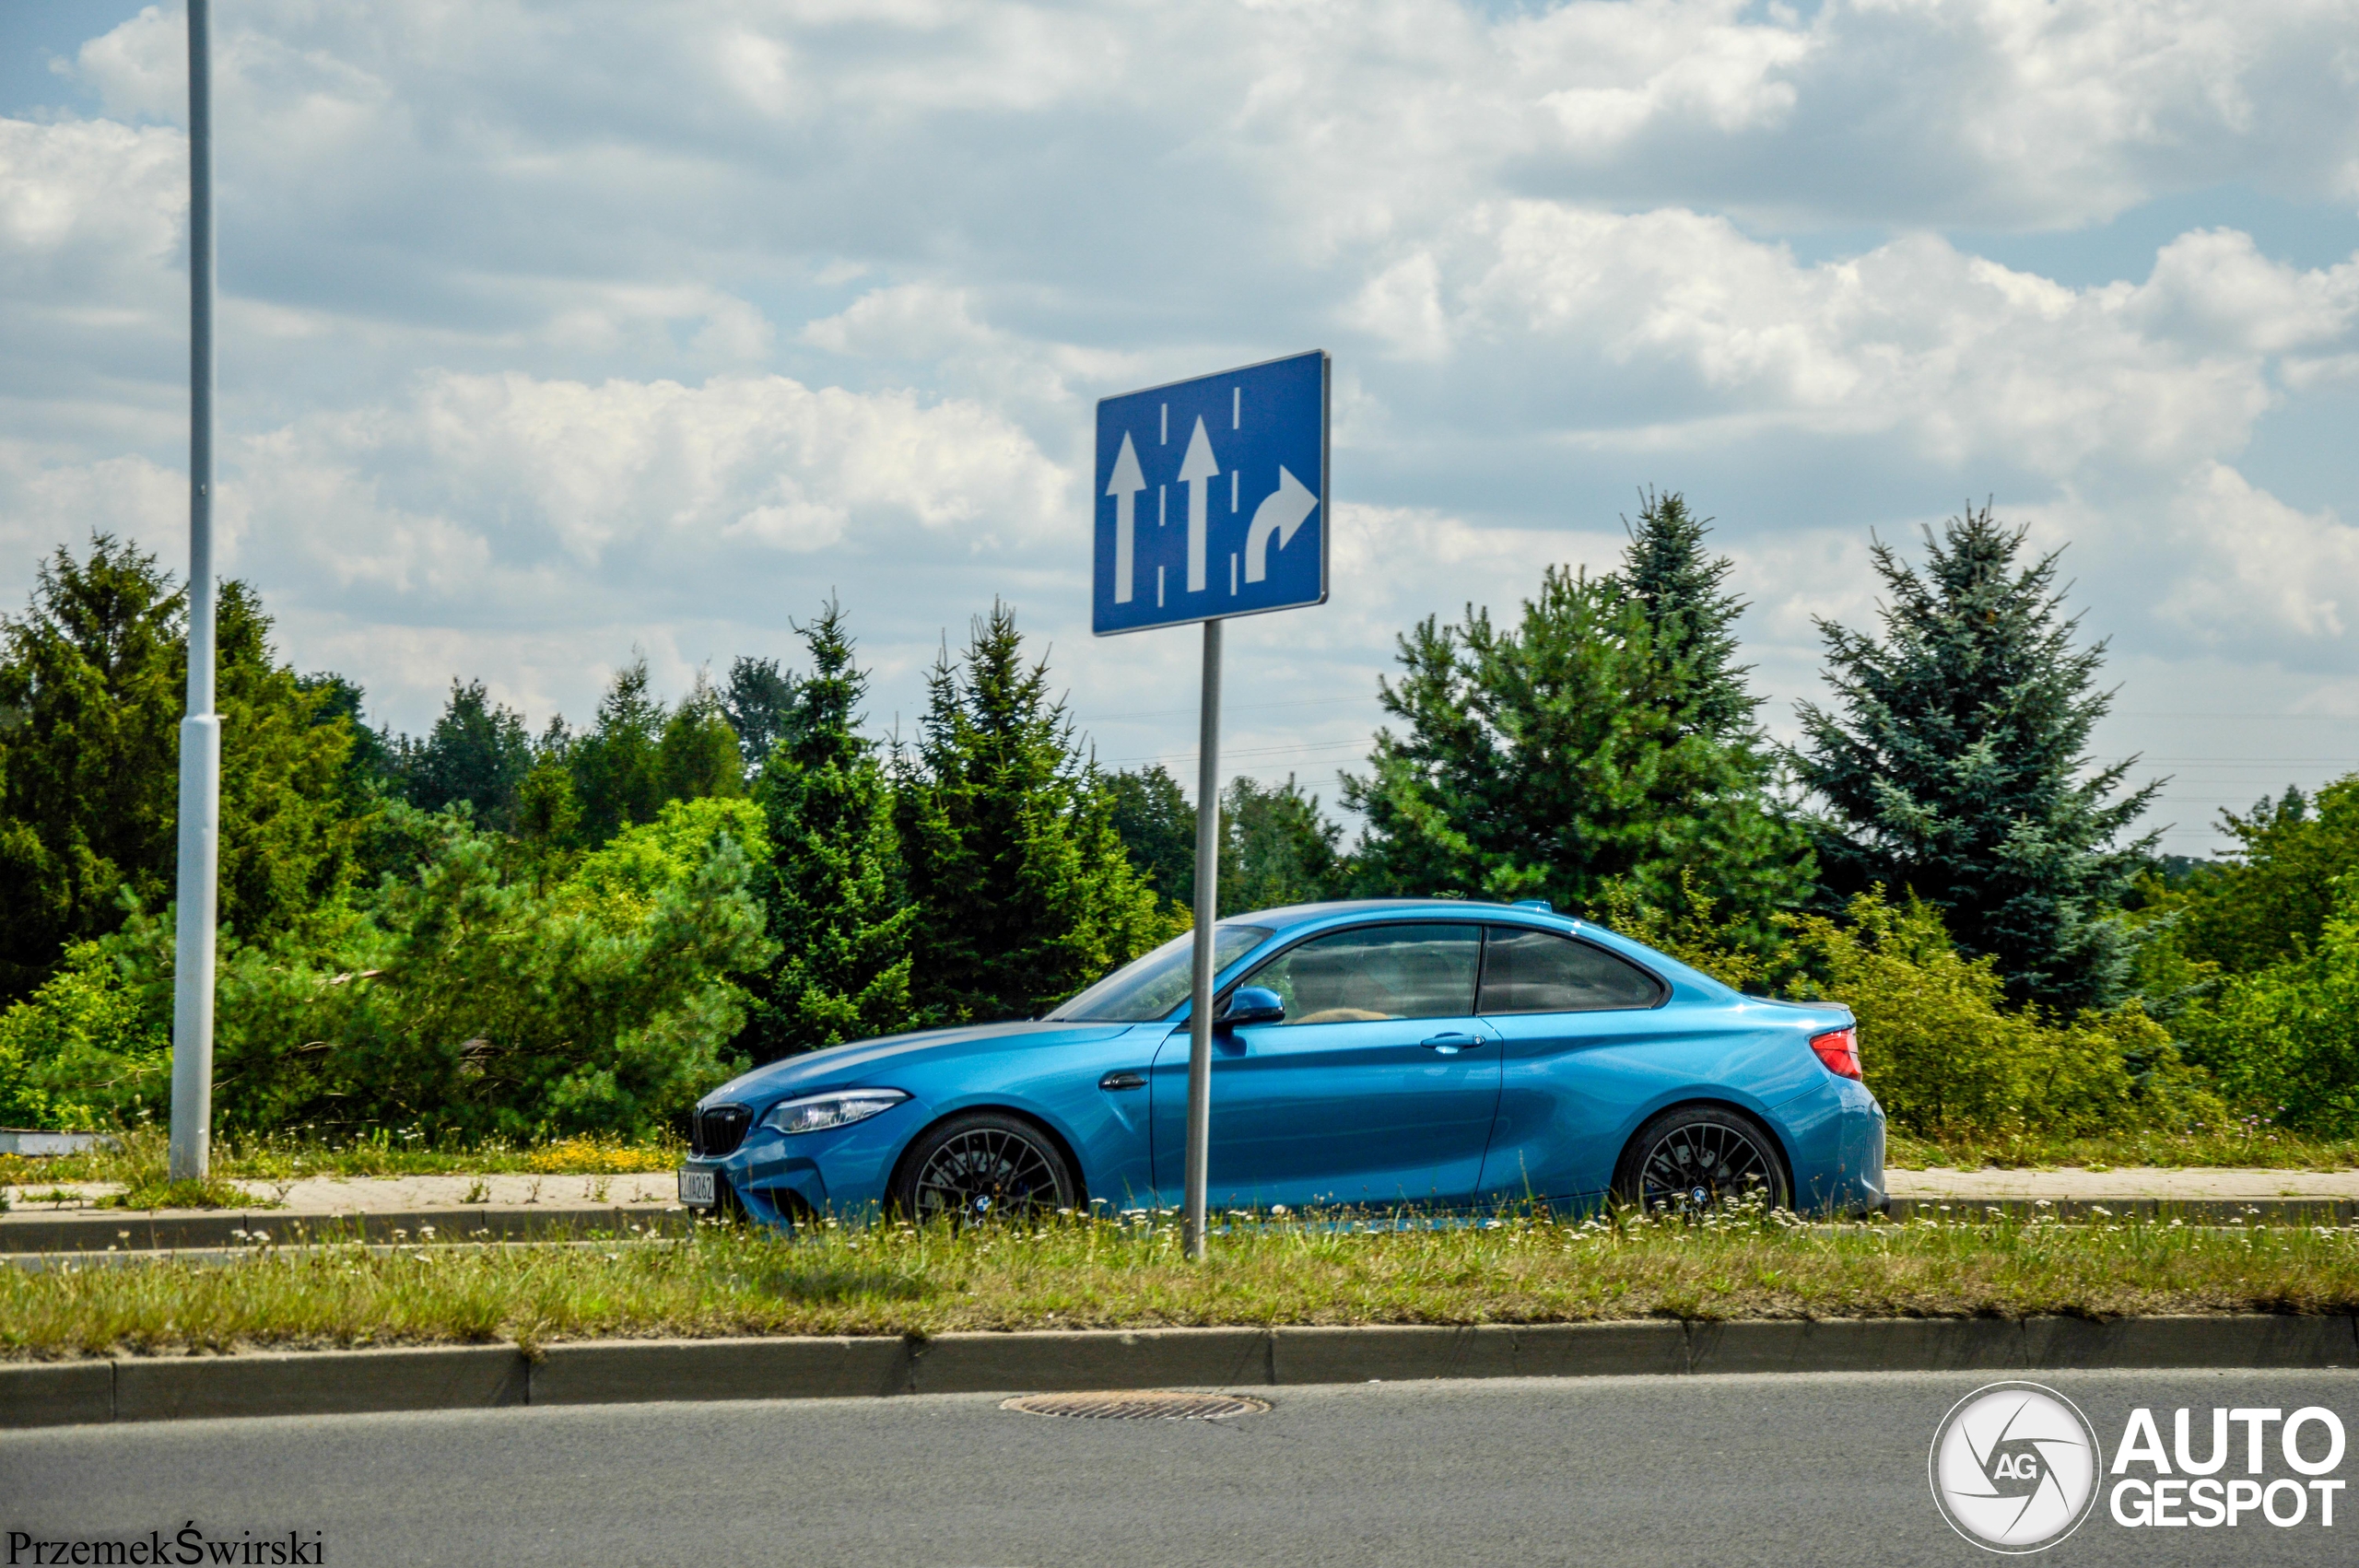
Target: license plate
pixel 697 1190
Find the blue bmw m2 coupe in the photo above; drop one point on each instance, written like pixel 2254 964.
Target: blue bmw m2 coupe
pixel 1369 1055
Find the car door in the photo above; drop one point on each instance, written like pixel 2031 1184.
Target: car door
pixel 1582 1035
pixel 1378 1088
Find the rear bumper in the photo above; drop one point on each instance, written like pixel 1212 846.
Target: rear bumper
pixel 1834 1134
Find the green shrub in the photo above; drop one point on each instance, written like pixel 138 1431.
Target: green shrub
pixel 462 1004
pixel 1938 1042
pixel 623 881
pixel 1945 1054
pixel 88 1049
pixel 2285 1039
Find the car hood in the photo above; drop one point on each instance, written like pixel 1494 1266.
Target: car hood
pixel 879 1063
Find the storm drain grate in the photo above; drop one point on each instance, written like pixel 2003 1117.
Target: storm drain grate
pixel 1142 1404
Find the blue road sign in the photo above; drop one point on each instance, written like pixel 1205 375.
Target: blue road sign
pixel 1211 498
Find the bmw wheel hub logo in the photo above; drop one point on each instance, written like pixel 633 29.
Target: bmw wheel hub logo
pixel 2015 1466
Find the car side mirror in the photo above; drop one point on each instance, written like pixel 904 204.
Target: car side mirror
pixel 1253 1004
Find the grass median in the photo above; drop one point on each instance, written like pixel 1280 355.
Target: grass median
pixel 1128 1272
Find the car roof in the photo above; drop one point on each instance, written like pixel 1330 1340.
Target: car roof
pixel 1293 915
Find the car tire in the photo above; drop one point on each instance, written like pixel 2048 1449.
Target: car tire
pixel 1691 1158
pixel 983 1165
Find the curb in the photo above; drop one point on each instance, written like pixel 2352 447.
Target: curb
pixel 636 1371
pixel 135 1230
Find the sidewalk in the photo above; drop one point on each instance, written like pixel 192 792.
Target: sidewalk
pixel 2163 1184
pixel 384 1195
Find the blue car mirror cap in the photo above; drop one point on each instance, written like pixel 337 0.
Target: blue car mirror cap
pixel 1254 1004
pixel 837 1107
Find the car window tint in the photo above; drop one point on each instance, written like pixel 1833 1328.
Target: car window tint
pixel 1377 972
pixel 1525 971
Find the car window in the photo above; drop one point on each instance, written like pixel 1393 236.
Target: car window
pixel 1528 971
pixel 1147 989
pixel 1377 972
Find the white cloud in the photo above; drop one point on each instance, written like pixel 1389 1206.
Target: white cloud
pixel 541 338
pixel 2259 569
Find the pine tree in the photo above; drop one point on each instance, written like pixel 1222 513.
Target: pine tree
pixel 1008 833
pixel 1559 759
pixel 1954 765
pixel 834 889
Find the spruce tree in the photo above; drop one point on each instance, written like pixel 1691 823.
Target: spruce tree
pixel 92 680
pixel 699 756
pixel 616 764
pixel 1691 618
pixel 1159 830
pixel 833 889
pixel 477 752
pixel 1955 765
pixel 758 702
pixel 1008 833
pixel 1277 849
pixel 1559 759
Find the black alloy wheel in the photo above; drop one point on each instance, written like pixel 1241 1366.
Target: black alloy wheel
pixel 1693 1158
pixel 984 1166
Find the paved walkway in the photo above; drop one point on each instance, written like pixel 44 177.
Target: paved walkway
pixel 383 1194
pixel 2123 1182
pixel 373 1195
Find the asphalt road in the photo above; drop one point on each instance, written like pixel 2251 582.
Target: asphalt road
pixel 1653 1471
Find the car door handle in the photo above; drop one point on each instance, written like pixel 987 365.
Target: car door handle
pixel 1451 1045
pixel 1123 1080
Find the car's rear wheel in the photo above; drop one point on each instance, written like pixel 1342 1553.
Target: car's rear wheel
pixel 984 1165
pixel 1693 1158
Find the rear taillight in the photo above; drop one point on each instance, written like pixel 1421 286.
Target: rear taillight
pixel 1839 1049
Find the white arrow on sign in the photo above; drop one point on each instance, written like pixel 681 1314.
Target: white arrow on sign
pixel 1197 471
pixel 1127 482
pixel 1280 512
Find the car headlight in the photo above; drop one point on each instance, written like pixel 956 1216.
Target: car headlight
pixel 816 1113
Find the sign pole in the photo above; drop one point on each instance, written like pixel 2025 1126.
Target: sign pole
pixel 1200 1004
pixel 200 802
pixel 1213 484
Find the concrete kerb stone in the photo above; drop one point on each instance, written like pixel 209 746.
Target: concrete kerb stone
pixel 1950 1345
pixel 631 1371
pixel 2245 1341
pixel 66 1393
pixel 329 1381
pixel 318 1382
pixel 1051 1362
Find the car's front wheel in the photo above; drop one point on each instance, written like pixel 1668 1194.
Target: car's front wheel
pixel 984 1165
pixel 1693 1158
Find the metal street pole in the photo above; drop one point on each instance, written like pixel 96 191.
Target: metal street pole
pixel 200 804
pixel 1200 1006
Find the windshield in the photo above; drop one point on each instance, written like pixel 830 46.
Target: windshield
pixel 1146 989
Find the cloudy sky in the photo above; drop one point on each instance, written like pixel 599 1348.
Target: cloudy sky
pixel 550 330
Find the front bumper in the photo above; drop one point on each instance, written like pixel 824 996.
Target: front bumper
pixel 777 1180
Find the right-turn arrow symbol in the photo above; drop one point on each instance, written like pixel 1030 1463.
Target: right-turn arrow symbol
pixel 1280 512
